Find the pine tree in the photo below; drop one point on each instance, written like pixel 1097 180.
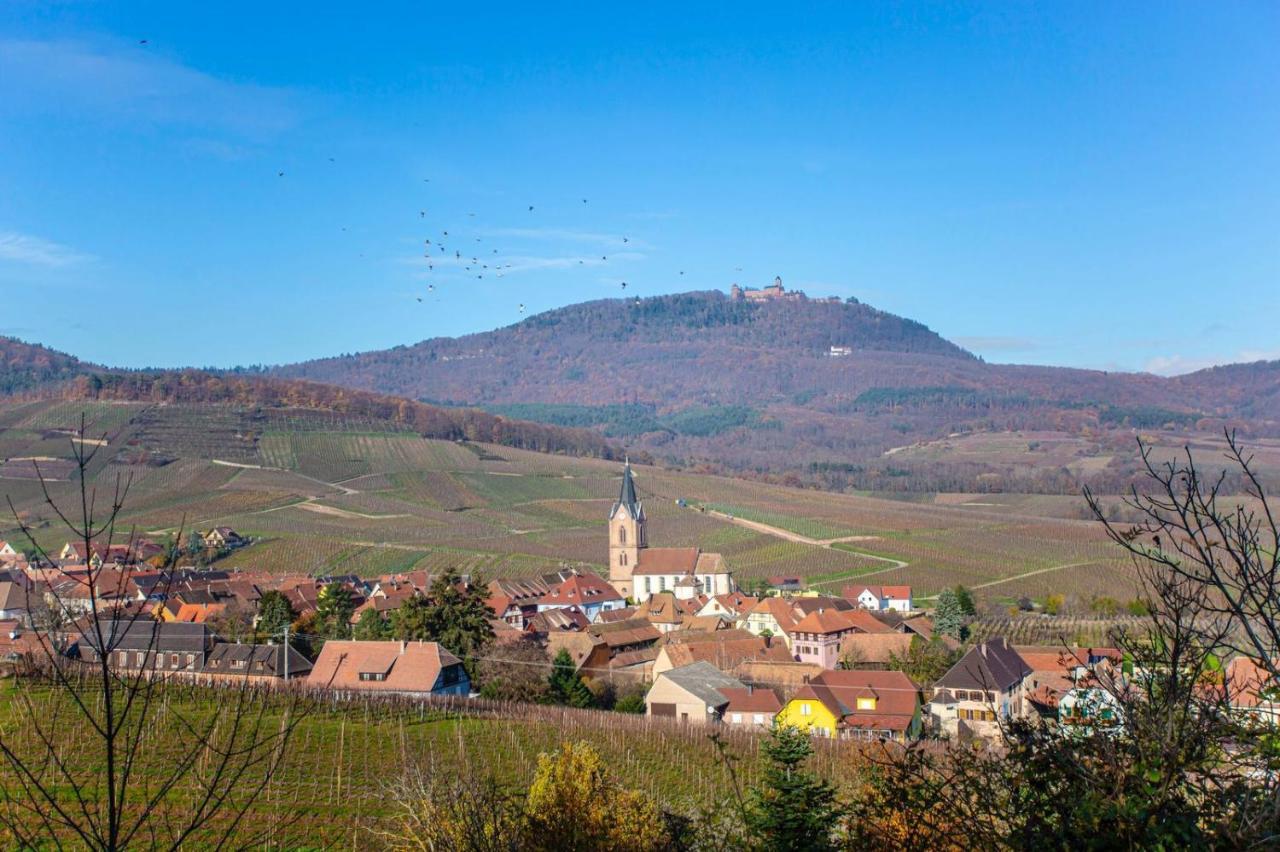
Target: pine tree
pixel 948 617
pixel 566 686
pixel 458 617
pixel 371 625
pixel 275 613
pixel 965 598
pixel 791 808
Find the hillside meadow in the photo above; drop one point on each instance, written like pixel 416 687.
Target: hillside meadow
pixel 322 493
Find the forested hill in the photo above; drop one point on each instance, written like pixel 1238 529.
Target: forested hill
pixel 26 367
pixel 754 387
pixel 553 356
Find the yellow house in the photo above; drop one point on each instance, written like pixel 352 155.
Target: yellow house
pixel 808 714
pixel 865 705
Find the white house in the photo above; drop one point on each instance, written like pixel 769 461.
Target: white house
pixel 879 598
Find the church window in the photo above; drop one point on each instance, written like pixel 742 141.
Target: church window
pixel 622 535
pixel 622 557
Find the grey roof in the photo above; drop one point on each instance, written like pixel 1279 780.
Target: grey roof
pixel 704 681
pixel 992 665
pixel 271 657
pixel 627 497
pixel 143 634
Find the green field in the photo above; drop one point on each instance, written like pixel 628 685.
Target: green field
pixel 325 495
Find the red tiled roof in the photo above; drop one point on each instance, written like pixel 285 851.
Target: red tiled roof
pixel 405 667
pixel 750 699
pixel 895 695
pixel 667 560
pixel 839 621
pixel 580 589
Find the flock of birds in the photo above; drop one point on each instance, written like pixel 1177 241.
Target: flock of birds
pixel 444 250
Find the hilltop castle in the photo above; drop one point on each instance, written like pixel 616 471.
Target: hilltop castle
pixel 638 571
pixel 774 292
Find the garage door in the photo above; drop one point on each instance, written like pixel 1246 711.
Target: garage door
pixel 656 709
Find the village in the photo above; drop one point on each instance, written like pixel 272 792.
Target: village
pixel 668 633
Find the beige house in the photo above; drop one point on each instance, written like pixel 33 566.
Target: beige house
pixel 691 694
pixel 638 571
pixel 733 607
pixel 986 687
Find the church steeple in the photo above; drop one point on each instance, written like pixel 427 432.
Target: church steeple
pixel 627 535
pixel 627 498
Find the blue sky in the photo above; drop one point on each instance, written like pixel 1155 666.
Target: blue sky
pixel 1076 184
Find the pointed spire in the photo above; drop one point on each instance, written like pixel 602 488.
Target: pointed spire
pixel 627 498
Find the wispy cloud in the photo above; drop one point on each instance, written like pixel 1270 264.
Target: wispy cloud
pixel 567 235
pixel 134 83
pixel 1177 365
pixel 35 251
pixel 997 343
pixel 513 264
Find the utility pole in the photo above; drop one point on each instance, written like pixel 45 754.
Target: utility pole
pixel 285 652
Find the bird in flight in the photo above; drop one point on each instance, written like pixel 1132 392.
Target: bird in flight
pixel 584 201
pixel 624 285
pixel 530 208
pixel 521 307
pixel 142 41
pixel 419 298
pixel 625 240
pixel 279 174
pixel 422 214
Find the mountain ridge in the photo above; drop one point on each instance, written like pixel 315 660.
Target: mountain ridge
pixel 776 386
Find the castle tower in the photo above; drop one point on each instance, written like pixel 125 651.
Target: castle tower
pixel 626 535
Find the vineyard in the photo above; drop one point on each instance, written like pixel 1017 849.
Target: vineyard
pixel 344 754
pixel 320 493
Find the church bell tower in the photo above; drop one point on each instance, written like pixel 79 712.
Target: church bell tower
pixel 626 535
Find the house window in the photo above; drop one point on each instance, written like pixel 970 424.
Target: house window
pixel 191 660
pixel 138 658
pixel 759 719
pixel 662 584
pixel 124 658
pixel 373 676
pixel 805 710
pixel 866 704
pixel 237 664
pixel 735 718
pixel 648 585
pixel 173 661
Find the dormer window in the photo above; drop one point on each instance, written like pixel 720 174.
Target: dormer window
pixel 867 703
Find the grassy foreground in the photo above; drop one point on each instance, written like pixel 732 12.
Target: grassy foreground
pixel 332 788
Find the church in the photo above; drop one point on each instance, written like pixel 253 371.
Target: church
pixel 637 570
